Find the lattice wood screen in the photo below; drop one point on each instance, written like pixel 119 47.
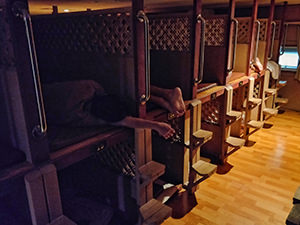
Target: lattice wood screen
pixel 211 112
pixel 244 30
pixel 92 32
pixel 263 29
pixel 170 33
pixel 215 32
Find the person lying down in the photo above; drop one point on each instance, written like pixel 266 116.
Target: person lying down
pixel 85 103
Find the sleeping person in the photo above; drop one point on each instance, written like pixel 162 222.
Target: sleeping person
pixel 84 103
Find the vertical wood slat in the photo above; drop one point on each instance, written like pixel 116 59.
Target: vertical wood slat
pixel 36 198
pixel 52 191
pixel 253 35
pixel 148 158
pixel 139 55
pixel 139 161
pixel 196 34
pixel 269 33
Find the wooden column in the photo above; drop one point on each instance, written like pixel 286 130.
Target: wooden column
pixel 197 9
pixel 17 71
pixel 253 35
pixel 139 56
pixel 269 33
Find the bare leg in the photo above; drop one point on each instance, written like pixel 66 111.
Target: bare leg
pixel 172 96
pixel 163 129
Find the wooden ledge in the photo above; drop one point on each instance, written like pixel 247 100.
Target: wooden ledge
pixel 281 101
pixel 151 171
pixel 154 212
pixel 271 91
pixel 235 142
pixel 210 94
pixel 204 168
pixel 270 111
pixel 255 101
pixel 202 136
pixel 233 115
pixel 255 124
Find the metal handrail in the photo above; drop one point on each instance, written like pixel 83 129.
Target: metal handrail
pixel 236 24
pixel 201 20
pixel 257 40
pixel 141 16
pixel 284 39
pixel 273 40
pixel 21 11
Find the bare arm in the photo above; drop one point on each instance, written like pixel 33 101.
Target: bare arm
pixel 163 129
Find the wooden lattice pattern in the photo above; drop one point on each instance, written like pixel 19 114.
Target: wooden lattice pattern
pixel 211 112
pixel 263 29
pixel 170 33
pixel 215 32
pixel 244 30
pixel 120 157
pixel 93 32
pixel 256 90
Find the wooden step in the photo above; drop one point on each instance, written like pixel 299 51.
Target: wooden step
pixel 168 190
pixel 294 216
pixel 154 212
pixel 296 198
pixel 270 111
pixel 151 171
pixel 204 168
pixel 255 124
pixel 281 83
pixel 202 136
pixel 270 91
pixel 234 115
pixel 254 101
pixel 235 142
pixel 281 100
pixel 62 220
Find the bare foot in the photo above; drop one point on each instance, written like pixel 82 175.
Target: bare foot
pixel 164 130
pixel 176 102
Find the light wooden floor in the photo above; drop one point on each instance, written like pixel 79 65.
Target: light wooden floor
pixel 259 187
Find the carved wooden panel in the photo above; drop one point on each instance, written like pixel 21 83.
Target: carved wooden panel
pixel 256 90
pixel 244 30
pixel 170 33
pixel 211 112
pixel 215 32
pixel 93 32
pixel 263 29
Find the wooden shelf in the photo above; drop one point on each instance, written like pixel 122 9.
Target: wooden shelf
pixel 270 91
pixel 270 111
pixel 204 168
pixel 255 101
pixel 234 115
pixel 202 136
pixel 281 101
pixel 255 124
pixel 213 92
pixel 235 142
pixel 154 212
pixel 151 171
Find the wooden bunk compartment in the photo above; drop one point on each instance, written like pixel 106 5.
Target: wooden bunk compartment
pixel 68 52
pixel 177 50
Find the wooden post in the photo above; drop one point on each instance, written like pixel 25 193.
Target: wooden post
pixel 269 33
pixel 252 36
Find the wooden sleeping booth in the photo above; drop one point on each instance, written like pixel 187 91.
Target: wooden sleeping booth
pixel 104 165
pixel 177 51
